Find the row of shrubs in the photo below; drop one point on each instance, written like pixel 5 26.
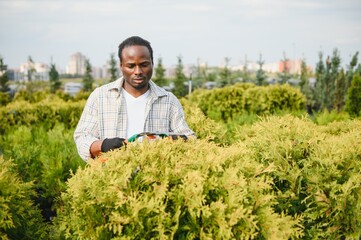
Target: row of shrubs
pixel 286 178
pixel 228 103
pixel 44 155
pixel 219 104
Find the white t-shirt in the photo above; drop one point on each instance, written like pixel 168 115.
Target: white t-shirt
pixel 135 112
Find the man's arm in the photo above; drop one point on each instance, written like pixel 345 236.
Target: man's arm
pixel 178 123
pixel 87 130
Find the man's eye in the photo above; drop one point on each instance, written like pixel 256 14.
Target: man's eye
pixel 131 66
pixel 145 64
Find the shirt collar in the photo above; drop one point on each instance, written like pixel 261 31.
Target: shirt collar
pixel 155 91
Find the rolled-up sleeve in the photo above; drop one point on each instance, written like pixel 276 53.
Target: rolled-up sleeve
pixel 87 130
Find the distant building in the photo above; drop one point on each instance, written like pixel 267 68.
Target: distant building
pixel 293 66
pixel 35 71
pixel 76 64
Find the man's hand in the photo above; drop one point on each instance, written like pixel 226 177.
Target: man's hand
pixel 112 143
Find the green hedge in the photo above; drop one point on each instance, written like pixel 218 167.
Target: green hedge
pixel 44 157
pixel 173 190
pixel 19 217
pixel 286 178
pixel 317 171
pixel 46 113
pixel 228 103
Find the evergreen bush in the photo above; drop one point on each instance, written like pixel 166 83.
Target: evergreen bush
pixel 19 217
pixel 317 172
pixel 44 157
pixel 173 190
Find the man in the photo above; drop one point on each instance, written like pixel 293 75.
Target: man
pixel 130 105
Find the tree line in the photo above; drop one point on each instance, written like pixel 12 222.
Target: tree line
pixel 334 88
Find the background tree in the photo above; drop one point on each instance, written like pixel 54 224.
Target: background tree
pixel 113 70
pixel 332 73
pixel 306 88
pixel 245 73
pixel 4 80
pixel 260 74
pixel 340 91
pixel 88 78
pixel 350 70
pixel 31 69
pixel 353 102
pixel 225 74
pixel 179 87
pixel 285 75
pixel 54 79
pixel 159 77
pixel 320 81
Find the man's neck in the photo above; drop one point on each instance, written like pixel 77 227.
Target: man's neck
pixel 136 92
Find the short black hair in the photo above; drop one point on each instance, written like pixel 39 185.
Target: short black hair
pixel 134 41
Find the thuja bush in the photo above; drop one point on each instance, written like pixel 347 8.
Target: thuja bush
pixel 173 190
pixel 46 113
pixel 229 103
pixel 221 104
pixel 20 218
pixel 45 157
pixel 317 172
pixel 272 99
pixel 204 127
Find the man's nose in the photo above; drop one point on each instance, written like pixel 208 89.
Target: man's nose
pixel 138 70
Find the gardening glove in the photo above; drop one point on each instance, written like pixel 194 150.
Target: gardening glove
pixel 175 137
pixel 112 143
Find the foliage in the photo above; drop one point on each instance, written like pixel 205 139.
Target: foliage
pixel 44 157
pixel 88 78
pixel 4 99
pixel 113 71
pixel 159 77
pixel 353 102
pixel 326 77
pixel 227 103
pixel 318 172
pixel 351 69
pixel 272 99
pixel 221 104
pixel 19 217
pixel 179 87
pixel 173 190
pixel 45 113
pixel 325 117
pixel 285 75
pixel 204 127
pixel 54 79
pixel 31 71
pixel 4 80
pixel 340 91
pixel 225 74
pixel 260 74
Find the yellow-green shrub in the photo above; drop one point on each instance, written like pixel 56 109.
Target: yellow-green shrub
pixel 228 103
pixel 221 104
pixel 272 99
pixel 19 217
pixel 173 190
pixel 204 127
pixel 317 172
pixel 46 113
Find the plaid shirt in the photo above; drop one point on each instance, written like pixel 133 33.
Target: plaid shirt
pixel 105 115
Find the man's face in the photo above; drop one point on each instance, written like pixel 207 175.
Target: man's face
pixel 137 69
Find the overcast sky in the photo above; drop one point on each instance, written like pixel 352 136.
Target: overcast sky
pixel 208 30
